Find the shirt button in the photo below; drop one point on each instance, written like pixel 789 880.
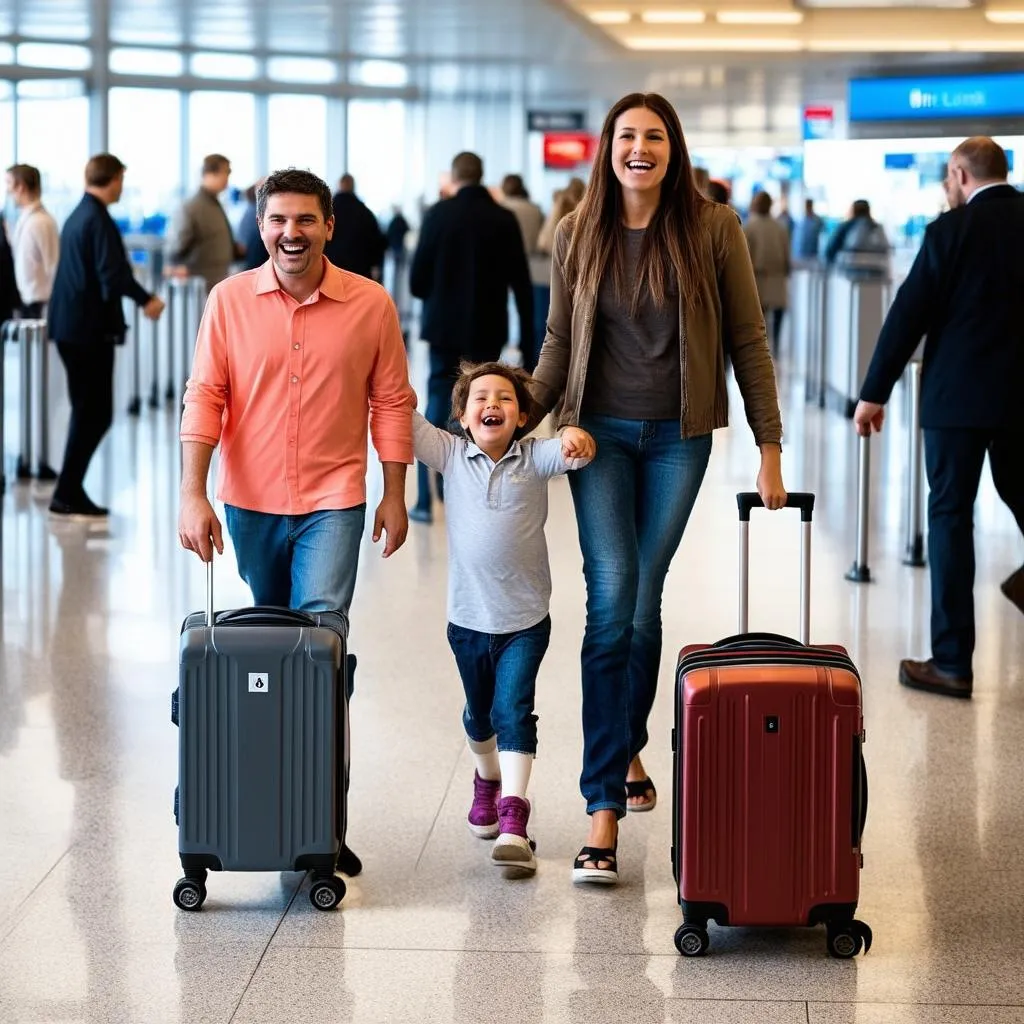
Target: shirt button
pixel 295 380
pixel 296 348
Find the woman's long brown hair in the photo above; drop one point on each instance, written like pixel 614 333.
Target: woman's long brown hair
pixel 676 241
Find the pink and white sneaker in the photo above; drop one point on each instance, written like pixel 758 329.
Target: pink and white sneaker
pixel 513 847
pixel 483 815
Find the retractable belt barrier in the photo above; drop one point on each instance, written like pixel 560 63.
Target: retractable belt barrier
pixel 914 555
pixel 34 426
pixel 186 297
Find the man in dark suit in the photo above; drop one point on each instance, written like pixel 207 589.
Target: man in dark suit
pixel 470 253
pixel 86 321
pixel 358 244
pixel 965 293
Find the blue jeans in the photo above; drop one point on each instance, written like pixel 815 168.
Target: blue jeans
pixel 499 675
pixel 954 460
pixel 303 562
pixel 632 503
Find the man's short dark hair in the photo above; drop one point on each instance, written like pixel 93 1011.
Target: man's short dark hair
pixel 27 177
pixel 861 208
pixel 215 163
pixel 102 169
pixel 515 375
pixel 513 186
pixel 467 169
pixel 303 183
pixel 983 158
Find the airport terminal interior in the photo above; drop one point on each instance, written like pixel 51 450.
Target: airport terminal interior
pixel 823 100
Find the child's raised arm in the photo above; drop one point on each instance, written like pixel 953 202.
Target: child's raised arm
pixel 433 446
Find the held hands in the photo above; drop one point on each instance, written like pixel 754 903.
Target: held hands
pixel 392 518
pixel 577 446
pixel 868 418
pixel 769 478
pixel 198 525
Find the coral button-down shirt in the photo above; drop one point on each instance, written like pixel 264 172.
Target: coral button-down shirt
pixel 289 389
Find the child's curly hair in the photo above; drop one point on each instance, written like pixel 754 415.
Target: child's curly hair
pixel 515 375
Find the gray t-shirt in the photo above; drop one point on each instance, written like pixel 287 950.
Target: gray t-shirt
pixel 634 370
pixel 499 580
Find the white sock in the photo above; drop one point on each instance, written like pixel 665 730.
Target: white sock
pixel 515 772
pixel 485 757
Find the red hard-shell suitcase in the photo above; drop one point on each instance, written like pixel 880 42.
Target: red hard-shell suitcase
pixel 769 787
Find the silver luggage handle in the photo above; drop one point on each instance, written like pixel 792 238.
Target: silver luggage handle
pixel 803 500
pixel 209 591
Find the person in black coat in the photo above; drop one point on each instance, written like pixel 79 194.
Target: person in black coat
pixel 965 294
pixel 470 253
pixel 249 236
pixel 86 320
pixel 358 244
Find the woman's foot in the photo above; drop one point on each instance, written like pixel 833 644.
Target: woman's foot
pixel 640 792
pixel 597 861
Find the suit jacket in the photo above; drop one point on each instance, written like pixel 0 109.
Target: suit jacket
pixel 470 253
pixel 93 276
pixel 965 293
pixel 358 243
pixel 201 238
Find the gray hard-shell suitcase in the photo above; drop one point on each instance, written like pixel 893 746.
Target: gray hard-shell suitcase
pixel 262 713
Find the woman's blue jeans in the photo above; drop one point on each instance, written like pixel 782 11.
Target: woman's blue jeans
pixel 632 504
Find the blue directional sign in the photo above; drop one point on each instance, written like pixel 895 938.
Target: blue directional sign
pixel 933 98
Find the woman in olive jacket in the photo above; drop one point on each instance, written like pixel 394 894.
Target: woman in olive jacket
pixel 651 285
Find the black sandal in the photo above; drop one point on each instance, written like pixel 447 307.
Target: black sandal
pixel 595 855
pixel 640 788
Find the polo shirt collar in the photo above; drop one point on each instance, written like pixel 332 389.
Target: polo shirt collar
pixel 332 285
pixel 472 450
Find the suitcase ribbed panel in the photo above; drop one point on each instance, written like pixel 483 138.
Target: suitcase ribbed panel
pixel 766 827
pixel 258 770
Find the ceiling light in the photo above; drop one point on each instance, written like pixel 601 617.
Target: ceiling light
pixel 1006 17
pixel 673 17
pixel 609 17
pixel 694 43
pixel 878 45
pixel 760 17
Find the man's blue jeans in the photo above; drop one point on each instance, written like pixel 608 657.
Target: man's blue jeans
pixel 632 504
pixel 303 562
pixel 499 675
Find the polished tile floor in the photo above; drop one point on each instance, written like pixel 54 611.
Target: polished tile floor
pixel 432 931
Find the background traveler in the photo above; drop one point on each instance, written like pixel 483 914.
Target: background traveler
pixel 357 244
pixel 35 241
pixel 769 253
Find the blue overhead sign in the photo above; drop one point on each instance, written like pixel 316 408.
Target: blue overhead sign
pixel 934 98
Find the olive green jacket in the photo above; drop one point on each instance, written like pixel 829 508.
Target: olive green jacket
pixel 729 321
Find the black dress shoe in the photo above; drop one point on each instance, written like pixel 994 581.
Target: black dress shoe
pixel 81 509
pixel 1013 588
pixel 927 676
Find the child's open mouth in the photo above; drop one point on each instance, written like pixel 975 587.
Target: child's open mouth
pixel 492 421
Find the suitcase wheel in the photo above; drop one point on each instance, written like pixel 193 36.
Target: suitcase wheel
pixel 692 940
pixel 846 940
pixel 189 894
pixel 327 893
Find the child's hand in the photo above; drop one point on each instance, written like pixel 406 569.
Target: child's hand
pixel 577 444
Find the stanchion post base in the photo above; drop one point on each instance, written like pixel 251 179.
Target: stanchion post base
pixel 45 472
pixel 859 574
pixel 154 398
pixel 23 471
pixel 914 555
pixel 135 406
pixel 169 395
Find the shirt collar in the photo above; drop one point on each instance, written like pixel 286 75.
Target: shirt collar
pixel 985 188
pixel 332 285
pixel 472 451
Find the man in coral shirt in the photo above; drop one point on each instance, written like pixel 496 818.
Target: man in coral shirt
pixel 294 361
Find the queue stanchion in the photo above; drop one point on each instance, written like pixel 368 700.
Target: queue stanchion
pixel 7 332
pixel 859 572
pixel 135 403
pixel 23 470
pixel 914 554
pixel 171 392
pixel 41 342
pixel 154 365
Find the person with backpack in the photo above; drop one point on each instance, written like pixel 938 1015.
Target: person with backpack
pixel 859 243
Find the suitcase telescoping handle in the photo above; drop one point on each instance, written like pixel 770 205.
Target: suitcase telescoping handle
pixel 804 501
pixel 209 591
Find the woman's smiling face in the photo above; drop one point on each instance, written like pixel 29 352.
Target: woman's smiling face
pixel 640 150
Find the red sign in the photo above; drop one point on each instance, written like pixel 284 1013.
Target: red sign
pixel 818 113
pixel 563 151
